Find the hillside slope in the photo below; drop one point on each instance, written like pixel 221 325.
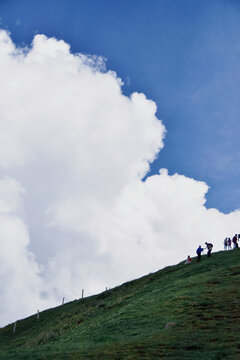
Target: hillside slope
pixel 200 303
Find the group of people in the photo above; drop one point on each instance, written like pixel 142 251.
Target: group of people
pixel 209 247
pixel 227 246
pixel 228 242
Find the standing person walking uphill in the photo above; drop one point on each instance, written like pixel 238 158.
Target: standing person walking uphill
pixel 235 241
pixel 225 244
pixel 199 253
pixel 209 246
pixel 229 243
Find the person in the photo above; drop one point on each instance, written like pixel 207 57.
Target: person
pixel 235 241
pixel 199 253
pixel 229 243
pixel 238 237
pixel 225 243
pixel 209 246
pixel 188 261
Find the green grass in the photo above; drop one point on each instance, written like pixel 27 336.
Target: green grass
pixel 128 322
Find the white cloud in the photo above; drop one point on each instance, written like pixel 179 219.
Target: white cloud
pixel 21 282
pixel 79 149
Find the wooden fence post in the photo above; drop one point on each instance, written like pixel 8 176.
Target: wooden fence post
pixel 63 301
pixel 38 315
pixel 14 327
pixel 82 293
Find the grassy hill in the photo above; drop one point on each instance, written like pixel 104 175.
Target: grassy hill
pixel 180 312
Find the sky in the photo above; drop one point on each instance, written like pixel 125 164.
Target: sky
pixel 119 141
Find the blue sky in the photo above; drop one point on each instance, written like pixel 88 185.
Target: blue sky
pixel 183 54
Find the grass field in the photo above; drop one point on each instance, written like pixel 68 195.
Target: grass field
pixel 199 303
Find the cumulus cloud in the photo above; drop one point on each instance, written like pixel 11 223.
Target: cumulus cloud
pixel 21 282
pixel 74 211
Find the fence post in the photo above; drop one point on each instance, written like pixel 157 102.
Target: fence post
pixel 14 327
pixel 63 301
pixel 82 293
pixel 38 315
pixel 106 288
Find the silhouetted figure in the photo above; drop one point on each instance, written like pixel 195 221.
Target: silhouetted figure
pixel 199 253
pixel 238 237
pixel 209 246
pixel 235 241
pixel 225 243
pixel 229 243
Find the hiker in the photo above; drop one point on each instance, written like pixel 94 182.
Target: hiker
pixel 225 243
pixel 209 246
pixel 235 241
pixel 199 253
pixel 229 243
pixel 238 237
pixel 188 261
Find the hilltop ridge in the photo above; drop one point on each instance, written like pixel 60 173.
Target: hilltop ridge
pixel 180 312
